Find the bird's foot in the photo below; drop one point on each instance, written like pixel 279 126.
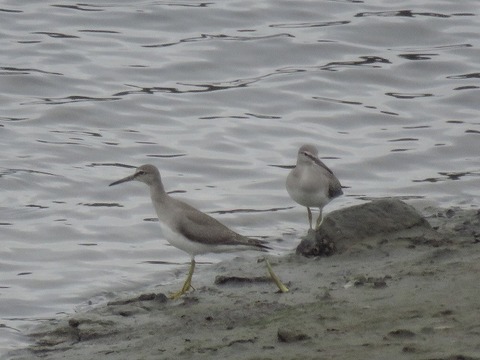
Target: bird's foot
pixel 319 221
pixel 275 278
pixel 186 285
pixel 176 295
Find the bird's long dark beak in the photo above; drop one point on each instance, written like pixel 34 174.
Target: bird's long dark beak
pixel 128 178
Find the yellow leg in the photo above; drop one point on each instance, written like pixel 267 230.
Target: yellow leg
pixel 309 217
pixel 319 220
pixel 187 284
pixel 275 278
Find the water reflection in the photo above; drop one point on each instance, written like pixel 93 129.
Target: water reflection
pixel 366 60
pixel 475 75
pixel 56 35
pixel 71 99
pixel 446 176
pixel 216 92
pixel 417 57
pixel 7 172
pixel 309 24
pixel 406 13
pixel 204 37
pixel 9 70
pixel 408 95
pixel 81 7
pixel 234 211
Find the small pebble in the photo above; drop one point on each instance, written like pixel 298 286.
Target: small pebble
pixel 289 335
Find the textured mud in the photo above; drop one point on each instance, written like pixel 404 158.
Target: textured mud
pixel 396 284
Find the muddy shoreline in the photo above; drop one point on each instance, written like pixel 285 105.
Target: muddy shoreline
pixel 400 285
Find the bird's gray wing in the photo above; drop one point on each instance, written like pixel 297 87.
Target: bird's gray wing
pixel 335 188
pixel 204 229
pixel 321 164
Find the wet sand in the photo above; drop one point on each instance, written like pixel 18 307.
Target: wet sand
pixel 397 284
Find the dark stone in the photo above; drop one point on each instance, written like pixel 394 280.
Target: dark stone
pixel 373 220
pixel 289 335
pixel 222 280
pixel 409 349
pixel 314 244
pixel 379 284
pixel 402 333
pixel 160 298
pixel 147 297
pixel 74 323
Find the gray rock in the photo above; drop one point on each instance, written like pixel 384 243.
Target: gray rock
pixel 373 221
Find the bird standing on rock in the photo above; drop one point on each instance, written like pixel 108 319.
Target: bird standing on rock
pixel 311 183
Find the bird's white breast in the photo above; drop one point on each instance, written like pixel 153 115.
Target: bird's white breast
pixel 308 187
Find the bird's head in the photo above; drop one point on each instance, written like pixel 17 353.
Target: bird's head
pixel 307 153
pixel 147 174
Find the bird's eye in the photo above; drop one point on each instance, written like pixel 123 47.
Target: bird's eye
pixel 308 155
pixel 141 172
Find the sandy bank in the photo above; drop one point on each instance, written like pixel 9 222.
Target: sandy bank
pixel 397 286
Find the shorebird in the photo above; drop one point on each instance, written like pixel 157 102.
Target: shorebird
pixel 311 183
pixel 191 230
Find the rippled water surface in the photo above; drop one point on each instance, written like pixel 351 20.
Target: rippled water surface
pixel 219 95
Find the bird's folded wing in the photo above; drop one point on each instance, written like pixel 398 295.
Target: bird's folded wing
pixel 335 190
pixel 204 229
pixel 322 164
